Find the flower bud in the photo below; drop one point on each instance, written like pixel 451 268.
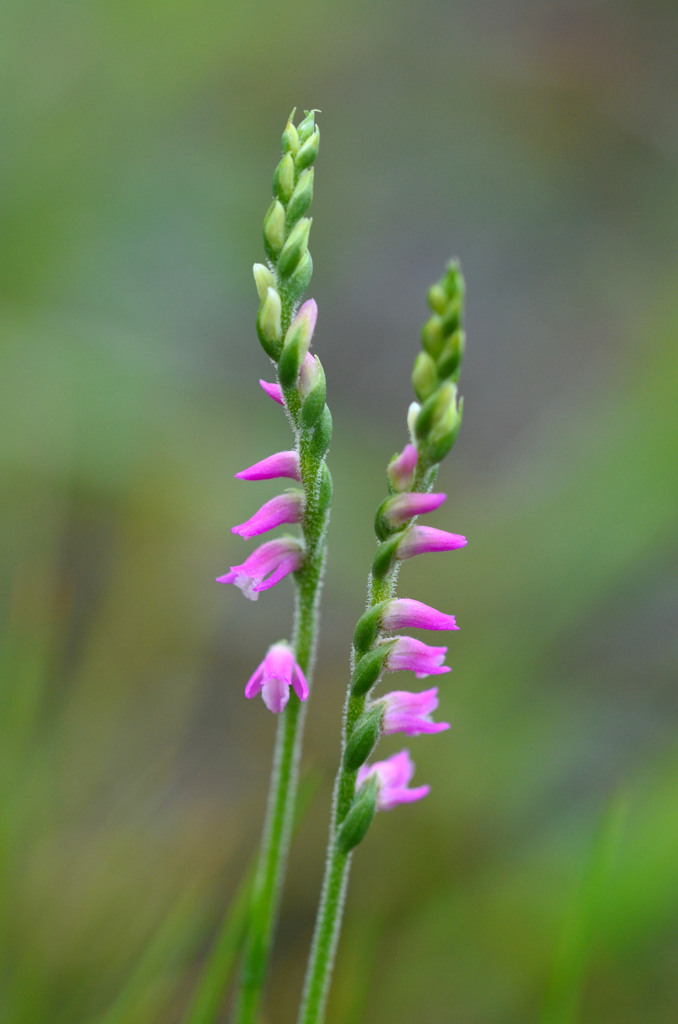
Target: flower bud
pixel 269 327
pixel 301 278
pixel 451 355
pixel 424 376
pixel 308 151
pixel 307 126
pixel 263 279
pixel 412 414
pixel 274 228
pixel 432 336
pixel 290 137
pixel 283 179
pixel 297 340
pixel 301 197
pixel 360 816
pixel 435 410
pixel 401 468
pixel 362 740
pixel 295 247
pixel 437 298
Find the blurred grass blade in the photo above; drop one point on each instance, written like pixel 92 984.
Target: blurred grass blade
pixel 563 993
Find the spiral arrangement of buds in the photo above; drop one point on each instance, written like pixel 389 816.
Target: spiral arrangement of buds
pixel 285 331
pixel 361 789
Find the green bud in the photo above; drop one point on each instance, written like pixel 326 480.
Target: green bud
pixel 269 327
pixel 360 816
pixel 274 229
pixel 432 337
pixel 368 669
pixel 444 436
pixel 451 355
pixel 437 298
pixel 313 397
pixel 301 197
pixel 363 739
pixel 367 628
pixel 294 248
pixel 300 279
pixel 308 151
pixel 435 411
pixel 290 137
pixel 263 279
pixel 451 319
pixel 283 179
pixel 307 126
pixel 322 435
pixel 385 556
pixel 424 376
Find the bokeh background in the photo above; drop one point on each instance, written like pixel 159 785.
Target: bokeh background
pixel 537 142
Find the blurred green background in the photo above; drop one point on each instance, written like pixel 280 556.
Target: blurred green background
pixel 536 141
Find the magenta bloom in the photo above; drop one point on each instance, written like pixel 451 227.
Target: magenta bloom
pixel 282 464
pixel 393 776
pixel 277 672
pixel 411 712
pixel 420 539
pixel 273 391
pixel 303 324
pixel 404 613
pixel 398 509
pixel 410 655
pixel 401 468
pixel 284 508
pixel 275 559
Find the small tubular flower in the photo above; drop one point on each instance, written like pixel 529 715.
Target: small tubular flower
pixel 410 655
pixel 411 712
pixel 282 464
pixel 275 559
pixel 404 613
pixel 274 391
pixel 393 776
pixel 274 677
pixel 284 508
pixel 401 468
pixel 420 539
pixel 401 507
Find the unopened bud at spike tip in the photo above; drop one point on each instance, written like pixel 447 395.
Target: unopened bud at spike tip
pixel 274 228
pixel 301 197
pixel 295 247
pixel 290 136
pixel 283 179
pixel 263 279
pixel 424 376
pixel 308 152
pixel 307 126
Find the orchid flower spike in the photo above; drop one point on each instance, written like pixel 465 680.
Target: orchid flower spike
pixel 274 677
pixel 411 712
pixel 284 508
pixel 393 776
pixel 275 559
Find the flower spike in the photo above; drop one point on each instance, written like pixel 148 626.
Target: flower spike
pixel 274 677
pixel 285 508
pixel 392 776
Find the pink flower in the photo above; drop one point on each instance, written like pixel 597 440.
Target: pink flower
pixel 282 464
pixel 284 508
pixel 401 507
pixel 278 557
pixel 308 375
pixel 420 539
pixel 401 468
pixel 411 712
pixel 393 776
pixel 273 391
pixel 410 655
pixel 404 613
pixel 273 678
pixel 303 325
